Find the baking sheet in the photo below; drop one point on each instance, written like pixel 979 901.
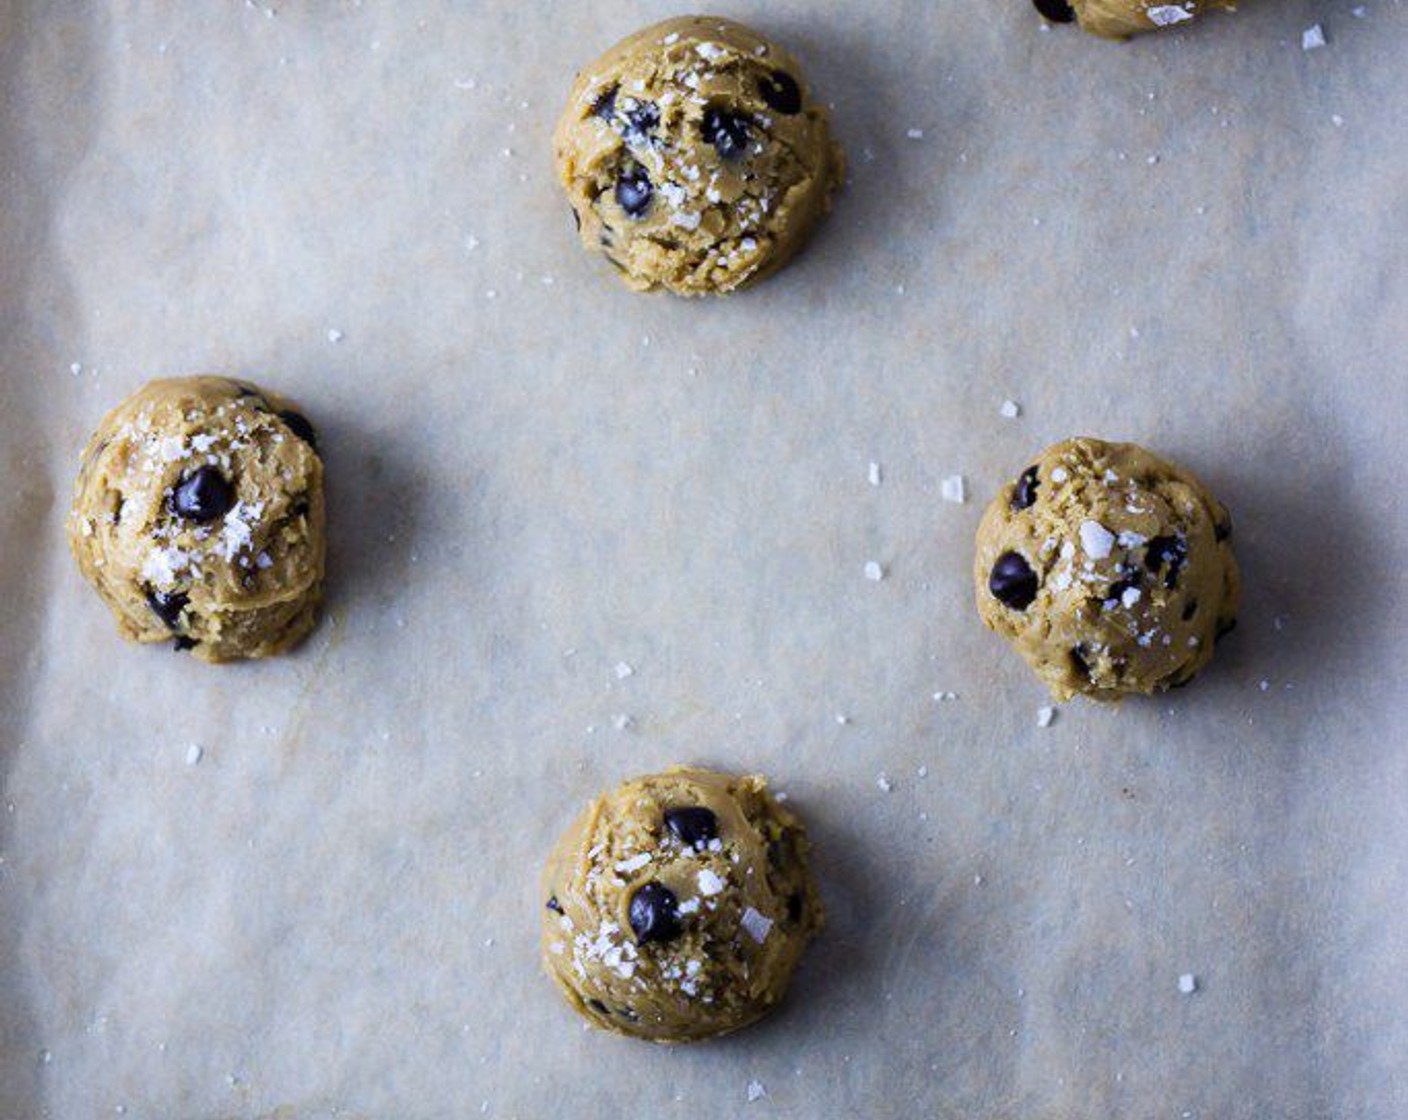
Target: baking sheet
pixel 1194 241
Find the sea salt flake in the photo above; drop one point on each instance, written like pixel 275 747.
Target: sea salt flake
pixel 623 671
pixel 1045 716
pixel 873 474
pixel 883 783
pixel 1059 474
pixel 710 883
pixel 1166 15
pixel 874 570
pixel 954 489
pixel 334 335
pixel 915 133
pixel 1096 539
pixel 1187 983
pixel 756 1091
pixel 1131 596
pixel 756 924
pixel 193 754
pixel 1010 409
pixel 1312 38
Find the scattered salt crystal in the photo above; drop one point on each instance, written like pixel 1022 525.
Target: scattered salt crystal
pixel 874 474
pixel 915 134
pixel 882 781
pixel 945 695
pixel 193 754
pixel 635 863
pixel 709 883
pixel 1187 983
pixel 1312 37
pixel 1096 539
pixel 954 489
pixel 334 335
pixel 1045 716
pixel 1010 409
pixel 842 720
pixel 923 771
pixel 623 722
pixel 1131 596
pixel 1337 120
pixel 1264 685
pixel 623 670
pixel 76 368
pixel 1059 474
pixel 1165 15
pixel 874 571
pixel 756 1091
pixel 756 924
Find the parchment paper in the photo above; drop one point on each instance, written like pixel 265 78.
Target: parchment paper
pixel 1195 241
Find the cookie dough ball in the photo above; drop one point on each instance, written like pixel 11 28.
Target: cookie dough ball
pixel 198 516
pixel 694 156
pixel 1108 568
pixel 1119 19
pixel 678 905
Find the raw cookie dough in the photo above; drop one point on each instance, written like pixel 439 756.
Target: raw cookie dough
pixel 198 516
pixel 678 904
pixel 1119 19
pixel 1109 569
pixel 694 157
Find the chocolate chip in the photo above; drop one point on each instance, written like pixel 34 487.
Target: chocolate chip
pixel 605 105
pixel 727 131
pixel 654 913
pixel 1012 582
pixel 183 643
pixel 641 120
pixel 1190 610
pixel 599 1007
pixel 554 905
pixel 203 495
pixel 299 426
pixel 634 191
pixel 1167 554
pixel 1024 493
pixel 781 92
pixel 692 825
pixel 168 605
pixel 1057 11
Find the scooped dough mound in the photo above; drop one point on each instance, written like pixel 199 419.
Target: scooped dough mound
pixel 198 516
pixel 1119 19
pixel 678 905
pixel 694 157
pixel 1109 569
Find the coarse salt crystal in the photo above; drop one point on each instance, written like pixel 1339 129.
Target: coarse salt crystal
pixel 756 1091
pixel 883 783
pixel 756 924
pixel 623 670
pixel 1166 15
pixel 1312 37
pixel 1010 409
pixel 874 474
pixel 1187 983
pixel 874 571
pixel 954 489
pixel 1045 716
pixel 1096 539
pixel 635 863
pixel 710 884
pixel 193 754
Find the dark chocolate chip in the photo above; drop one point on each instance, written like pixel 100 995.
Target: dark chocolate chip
pixel 692 825
pixel 641 121
pixel 634 191
pixel 1024 493
pixel 183 643
pixel 1057 11
pixel 1166 554
pixel 654 913
pixel 727 131
pixel 554 905
pixel 299 426
pixel 781 92
pixel 597 1006
pixel 794 907
pixel 1190 610
pixel 605 105
pixel 300 506
pixel 168 605
pixel 203 495
pixel 1012 582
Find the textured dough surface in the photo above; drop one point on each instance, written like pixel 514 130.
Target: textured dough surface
pixel 1119 19
pixel 1135 577
pixel 245 584
pixel 716 219
pixel 747 902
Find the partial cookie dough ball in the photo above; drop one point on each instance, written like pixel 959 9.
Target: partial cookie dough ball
pixel 678 905
pixel 694 156
pixel 1119 19
pixel 1109 569
pixel 198 516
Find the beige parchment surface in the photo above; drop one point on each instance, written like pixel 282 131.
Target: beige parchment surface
pixel 1195 241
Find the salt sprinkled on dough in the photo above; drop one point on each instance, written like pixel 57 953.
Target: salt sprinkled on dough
pixel 1096 539
pixel 758 925
pixel 709 883
pixel 635 863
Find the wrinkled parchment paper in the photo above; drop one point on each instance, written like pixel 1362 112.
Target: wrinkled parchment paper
pixel 1195 241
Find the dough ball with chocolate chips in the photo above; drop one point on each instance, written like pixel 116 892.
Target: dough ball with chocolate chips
pixel 1109 569
pixel 678 905
pixel 1119 19
pixel 198 516
pixel 694 157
